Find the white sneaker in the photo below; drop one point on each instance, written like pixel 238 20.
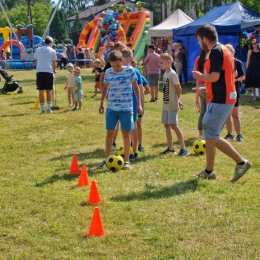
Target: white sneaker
pixel 241 170
pixel 49 111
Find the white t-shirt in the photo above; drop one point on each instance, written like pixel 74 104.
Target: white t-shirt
pixel 71 79
pixel 44 56
pixel 170 96
pixel 120 93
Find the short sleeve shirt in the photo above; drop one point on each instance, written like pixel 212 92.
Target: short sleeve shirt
pixel 152 60
pixel 120 93
pixel 170 96
pixel 45 56
pixel 76 82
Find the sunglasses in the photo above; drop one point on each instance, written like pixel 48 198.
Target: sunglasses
pixel 253 43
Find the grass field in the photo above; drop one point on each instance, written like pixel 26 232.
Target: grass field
pixel 156 211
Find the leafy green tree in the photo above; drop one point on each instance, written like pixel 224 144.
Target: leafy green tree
pixel 58 26
pixel 9 4
pixel 76 30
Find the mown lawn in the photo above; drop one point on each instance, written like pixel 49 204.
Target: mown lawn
pixel 156 211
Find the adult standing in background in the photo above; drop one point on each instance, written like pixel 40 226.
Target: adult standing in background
pixel 252 64
pixel 235 114
pixel 177 58
pixel 153 71
pixel 73 55
pixel 183 51
pixel 45 61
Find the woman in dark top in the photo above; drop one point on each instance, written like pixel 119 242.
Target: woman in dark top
pixel 252 64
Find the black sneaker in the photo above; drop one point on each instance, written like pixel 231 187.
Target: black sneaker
pixel 102 165
pixel 168 150
pixel 152 100
pixel 229 136
pixel 239 138
pixel 140 148
pixel 133 156
pixel 114 146
pixel 156 99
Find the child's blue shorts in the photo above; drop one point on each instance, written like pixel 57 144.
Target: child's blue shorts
pixel 125 118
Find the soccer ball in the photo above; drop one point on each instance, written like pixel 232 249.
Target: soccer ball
pixel 199 147
pixel 121 151
pixel 115 162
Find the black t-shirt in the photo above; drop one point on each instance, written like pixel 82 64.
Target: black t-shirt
pixel 240 72
pixel 97 72
pixel 108 65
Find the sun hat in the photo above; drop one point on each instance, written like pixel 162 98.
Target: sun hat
pixel 97 60
pixel 69 65
pixel 77 69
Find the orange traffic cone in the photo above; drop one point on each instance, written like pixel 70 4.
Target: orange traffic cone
pixel 94 197
pixel 83 178
pixel 74 168
pixel 96 226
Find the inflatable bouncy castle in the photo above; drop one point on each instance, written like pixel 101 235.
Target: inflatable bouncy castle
pixel 118 23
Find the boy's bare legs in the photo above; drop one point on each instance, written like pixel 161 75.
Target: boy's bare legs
pixel 156 91
pixel 229 125
pixel 225 147
pixel 134 136
pixel 179 135
pixel 127 141
pixel 168 131
pixel 115 135
pixel 109 141
pixel 139 131
pixel 152 92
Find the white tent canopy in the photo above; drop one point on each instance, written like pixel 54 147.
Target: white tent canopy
pixel 164 29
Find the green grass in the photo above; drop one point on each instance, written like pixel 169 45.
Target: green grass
pixel 155 211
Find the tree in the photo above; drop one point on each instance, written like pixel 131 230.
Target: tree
pixel 9 4
pixel 58 26
pixel 71 6
pixel 76 30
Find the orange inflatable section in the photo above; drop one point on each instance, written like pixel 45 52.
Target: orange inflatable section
pixel 16 43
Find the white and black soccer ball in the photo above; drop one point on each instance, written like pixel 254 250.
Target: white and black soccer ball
pixel 199 147
pixel 115 162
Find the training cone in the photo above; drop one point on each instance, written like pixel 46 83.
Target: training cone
pixel 74 168
pixel 83 178
pixel 96 226
pixel 94 197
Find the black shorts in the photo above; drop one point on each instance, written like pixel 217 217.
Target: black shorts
pixel 44 80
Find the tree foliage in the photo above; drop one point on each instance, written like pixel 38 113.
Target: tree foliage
pixel 76 30
pixel 18 15
pixel 58 26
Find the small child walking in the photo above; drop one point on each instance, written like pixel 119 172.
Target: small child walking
pixel 77 89
pixel 171 104
pixel 70 84
pixel 97 70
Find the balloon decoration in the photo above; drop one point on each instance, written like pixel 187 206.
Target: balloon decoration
pixel 108 26
pixel 139 5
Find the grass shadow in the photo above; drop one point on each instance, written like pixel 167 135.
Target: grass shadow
pixel 153 192
pixel 56 177
pixel 13 115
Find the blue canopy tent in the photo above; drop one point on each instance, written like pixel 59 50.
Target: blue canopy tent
pixel 229 21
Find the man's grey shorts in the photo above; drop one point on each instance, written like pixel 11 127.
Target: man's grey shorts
pixel 215 118
pixel 153 79
pixel 170 117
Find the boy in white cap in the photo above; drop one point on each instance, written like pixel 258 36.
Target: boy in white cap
pixel 70 84
pixel 77 89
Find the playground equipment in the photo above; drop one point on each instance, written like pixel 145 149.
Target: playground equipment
pixel 118 24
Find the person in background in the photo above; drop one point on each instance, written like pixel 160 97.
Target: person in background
pixel 111 47
pixel 81 56
pixel 201 98
pixel 252 64
pixel 73 55
pixel 92 57
pixel 97 70
pixel 235 114
pixel 70 84
pixel 45 61
pixel 184 52
pixel 2 59
pixel 153 71
pixel 68 52
pixel 177 58
pixel 64 49
pixel 62 60
pixel 77 89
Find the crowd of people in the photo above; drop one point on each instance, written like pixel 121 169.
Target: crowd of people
pixel 218 75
